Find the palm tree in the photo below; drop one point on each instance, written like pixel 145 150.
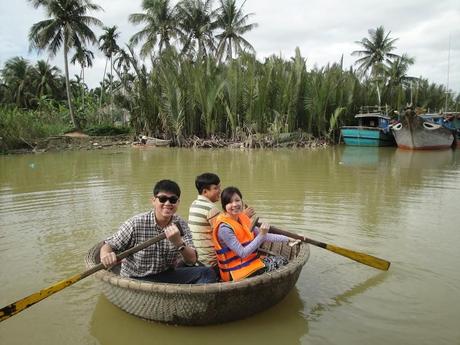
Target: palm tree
pixel 17 76
pixel 376 54
pixel 68 26
pixel 160 25
pixel 196 21
pixel 233 22
pixel 3 92
pixel 397 71
pixel 398 80
pixel 108 45
pixel 173 101
pixel 122 62
pixel 122 66
pixel 321 101
pixel 47 79
pixel 376 50
pixel 85 58
pixel 208 86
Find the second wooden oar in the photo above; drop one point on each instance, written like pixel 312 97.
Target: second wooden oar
pixel 18 306
pixel 363 258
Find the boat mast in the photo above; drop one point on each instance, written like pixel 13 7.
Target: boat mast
pixel 448 72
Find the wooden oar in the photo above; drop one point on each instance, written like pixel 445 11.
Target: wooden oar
pixel 363 258
pixel 18 306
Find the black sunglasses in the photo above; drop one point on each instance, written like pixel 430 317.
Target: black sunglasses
pixel 163 198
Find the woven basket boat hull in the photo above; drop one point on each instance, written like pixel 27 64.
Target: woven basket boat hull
pixel 202 304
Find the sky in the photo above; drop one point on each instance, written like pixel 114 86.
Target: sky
pixel 324 30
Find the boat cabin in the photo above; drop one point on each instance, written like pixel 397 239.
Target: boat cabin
pixel 374 120
pixel 373 129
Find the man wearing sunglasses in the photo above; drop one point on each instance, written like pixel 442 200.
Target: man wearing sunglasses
pixel 161 261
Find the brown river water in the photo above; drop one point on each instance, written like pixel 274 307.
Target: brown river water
pixel 402 206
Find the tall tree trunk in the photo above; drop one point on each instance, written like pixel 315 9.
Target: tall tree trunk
pixel 67 85
pixel 378 94
pixel 111 88
pixel 82 77
pixel 230 52
pixel 102 85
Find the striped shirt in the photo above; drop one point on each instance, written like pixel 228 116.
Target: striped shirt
pixel 201 215
pixel 154 259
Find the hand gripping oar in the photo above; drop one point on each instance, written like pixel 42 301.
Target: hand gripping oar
pixel 363 258
pixel 18 306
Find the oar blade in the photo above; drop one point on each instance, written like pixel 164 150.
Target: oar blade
pixel 20 305
pixel 363 258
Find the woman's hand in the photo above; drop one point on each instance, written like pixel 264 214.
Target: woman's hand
pixel 292 242
pixel 263 229
pixel 249 211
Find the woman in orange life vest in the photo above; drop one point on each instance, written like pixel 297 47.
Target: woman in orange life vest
pixel 236 246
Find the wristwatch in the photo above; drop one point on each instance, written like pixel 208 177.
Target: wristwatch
pixel 181 247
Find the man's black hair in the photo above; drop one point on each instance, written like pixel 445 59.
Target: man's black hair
pixel 204 181
pixel 166 186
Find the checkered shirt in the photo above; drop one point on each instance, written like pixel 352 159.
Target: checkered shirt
pixel 154 259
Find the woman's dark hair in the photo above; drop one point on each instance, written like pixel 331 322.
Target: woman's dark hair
pixel 166 186
pixel 227 194
pixel 206 180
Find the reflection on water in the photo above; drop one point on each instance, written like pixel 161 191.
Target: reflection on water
pixel 356 156
pixel 345 297
pixel 420 160
pixel 112 326
pixel 398 205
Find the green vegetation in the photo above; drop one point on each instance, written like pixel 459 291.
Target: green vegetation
pixel 20 128
pixel 107 130
pixel 203 79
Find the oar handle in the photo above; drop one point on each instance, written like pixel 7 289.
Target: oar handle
pixel 147 243
pixel 127 253
pixel 363 258
pixel 254 223
pixel 278 231
pixel 141 246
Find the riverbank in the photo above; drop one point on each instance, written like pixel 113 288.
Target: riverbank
pixel 78 141
pixel 71 142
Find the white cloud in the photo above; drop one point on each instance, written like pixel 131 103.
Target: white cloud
pixel 324 30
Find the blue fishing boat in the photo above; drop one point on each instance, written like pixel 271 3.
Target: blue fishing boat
pixel 373 129
pixel 451 120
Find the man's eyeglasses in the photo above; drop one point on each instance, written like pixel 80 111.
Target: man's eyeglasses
pixel 163 198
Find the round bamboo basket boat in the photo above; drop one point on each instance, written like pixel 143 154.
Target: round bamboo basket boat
pixel 202 304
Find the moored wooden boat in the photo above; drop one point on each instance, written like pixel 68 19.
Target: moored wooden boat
pixel 451 120
pixel 202 304
pixel 151 141
pixel 372 130
pixel 421 132
pixel 158 142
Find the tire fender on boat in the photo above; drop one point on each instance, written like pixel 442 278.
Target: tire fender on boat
pixel 431 126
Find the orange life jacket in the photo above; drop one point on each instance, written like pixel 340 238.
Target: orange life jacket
pixel 231 266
